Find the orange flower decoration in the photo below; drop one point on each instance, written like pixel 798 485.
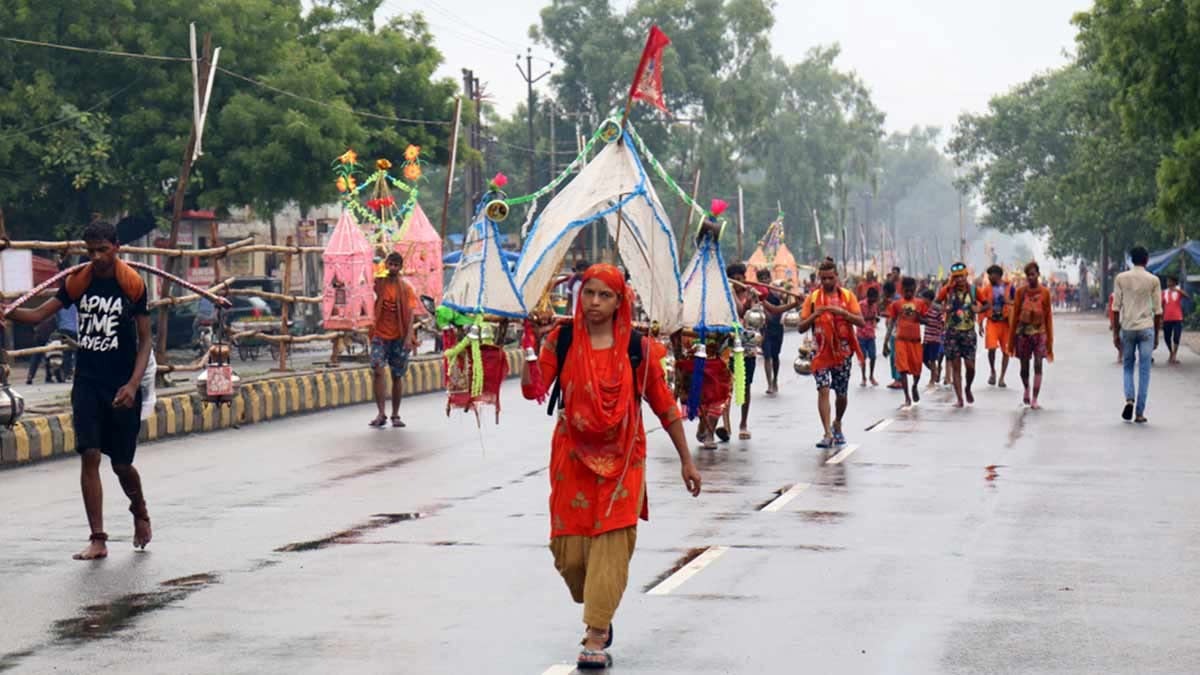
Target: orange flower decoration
pixel 412 153
pixel 353 184
pixel 412 173
pixel 341 184
pixel 383 164
pixel 348 157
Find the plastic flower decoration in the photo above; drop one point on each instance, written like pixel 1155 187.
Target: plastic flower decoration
pixel 412 172
pixel 498 182
pixel 348 157
pixel 341 184
pixel 412 153
pixel 383 164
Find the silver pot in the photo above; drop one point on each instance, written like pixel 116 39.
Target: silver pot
pixel 755 317
pixel 802 366
pixel 791 318
pixel 12 406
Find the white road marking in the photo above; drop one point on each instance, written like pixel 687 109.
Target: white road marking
pixel 688 571
pixel 841 456
pixel 883 424
pixel 560 669
pixel 782 500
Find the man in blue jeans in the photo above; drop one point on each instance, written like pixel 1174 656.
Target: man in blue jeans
pixel 1137 322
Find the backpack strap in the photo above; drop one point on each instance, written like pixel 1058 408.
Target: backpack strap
pixel 563 346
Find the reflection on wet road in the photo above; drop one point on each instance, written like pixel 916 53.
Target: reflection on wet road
pixel 993 539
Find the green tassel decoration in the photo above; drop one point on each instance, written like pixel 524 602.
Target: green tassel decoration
pixel 739 371
pixel 476 368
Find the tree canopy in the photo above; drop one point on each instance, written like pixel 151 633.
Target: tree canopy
pixel 92 132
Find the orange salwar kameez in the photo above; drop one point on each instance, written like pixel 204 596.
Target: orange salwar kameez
pixel 593 518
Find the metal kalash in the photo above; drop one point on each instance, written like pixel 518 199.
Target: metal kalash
pixel 218 383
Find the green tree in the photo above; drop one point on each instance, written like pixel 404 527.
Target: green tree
pixel 1050 157
pixel 1144 49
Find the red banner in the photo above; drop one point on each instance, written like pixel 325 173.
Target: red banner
pixel 647 80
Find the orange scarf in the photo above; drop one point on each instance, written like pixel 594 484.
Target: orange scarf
pixel 127 278
pixel 834 335
pixel 598 402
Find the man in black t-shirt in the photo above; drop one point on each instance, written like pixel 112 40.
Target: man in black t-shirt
pixel 114 348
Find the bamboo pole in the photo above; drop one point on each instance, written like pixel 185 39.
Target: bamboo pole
pixel 775 289
pixel 171 301
pixel 450 166
pixel 213 238
pixel 288 339
pixel 285 307
pixel 281 297
pixel 78 246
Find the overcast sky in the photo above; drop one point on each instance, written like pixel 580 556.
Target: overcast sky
pixel 924 60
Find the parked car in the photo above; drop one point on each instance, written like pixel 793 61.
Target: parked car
pixel 182 317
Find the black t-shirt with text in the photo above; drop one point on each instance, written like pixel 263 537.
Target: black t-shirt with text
pixel 107 332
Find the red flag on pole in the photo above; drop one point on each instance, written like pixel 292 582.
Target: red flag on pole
pixel 647 80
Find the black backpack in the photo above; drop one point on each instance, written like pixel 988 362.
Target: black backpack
pixel 565 334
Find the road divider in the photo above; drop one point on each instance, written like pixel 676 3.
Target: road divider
pixel 37 438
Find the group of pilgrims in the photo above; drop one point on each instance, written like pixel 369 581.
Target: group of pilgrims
pixel 607 368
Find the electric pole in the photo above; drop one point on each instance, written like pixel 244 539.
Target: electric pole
pixel 473 176
pixel 527 75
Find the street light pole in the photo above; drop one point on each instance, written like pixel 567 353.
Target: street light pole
pixel 527 74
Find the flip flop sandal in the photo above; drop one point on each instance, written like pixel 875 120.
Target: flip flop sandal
pixel 593 660
pixel 397 422
pixel 744 435
pixel 723 434
pixel 378 422
pixel 839 438
pixel 825 443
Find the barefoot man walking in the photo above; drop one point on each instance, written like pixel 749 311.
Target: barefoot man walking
pixel 114 348
pixel 961 306
pixel 393 338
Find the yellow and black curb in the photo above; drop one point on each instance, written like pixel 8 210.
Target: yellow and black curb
pixel 45 437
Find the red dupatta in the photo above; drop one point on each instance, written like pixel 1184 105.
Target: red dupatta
pixel 597 385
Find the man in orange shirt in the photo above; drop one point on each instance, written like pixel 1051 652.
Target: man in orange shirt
pixel 995 320
pixel 904 319
pixel 867 284
pixel 393 337
pixel 832 313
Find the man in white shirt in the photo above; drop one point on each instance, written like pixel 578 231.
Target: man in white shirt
pixel 1137 321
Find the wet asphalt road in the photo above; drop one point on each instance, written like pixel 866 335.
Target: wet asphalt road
pixel 988 540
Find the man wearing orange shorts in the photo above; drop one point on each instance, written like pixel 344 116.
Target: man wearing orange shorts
pixel 995 320
pixel 904 320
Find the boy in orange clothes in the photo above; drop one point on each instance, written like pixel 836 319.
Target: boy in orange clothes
pixel 995 321
pixel 832 312
pixel 904 319
pixel 1032 336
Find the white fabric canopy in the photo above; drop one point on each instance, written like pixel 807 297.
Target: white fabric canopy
pixel 707 300
pixel 614 187
pixel 481 281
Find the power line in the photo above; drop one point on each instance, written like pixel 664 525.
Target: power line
pixel 155 57
pixel 284 92
pixel 89 50
pixel 68 118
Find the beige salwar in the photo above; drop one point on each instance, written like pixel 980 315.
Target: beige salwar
pixel 596 570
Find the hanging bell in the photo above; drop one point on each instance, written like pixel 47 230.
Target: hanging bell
pixel 791 318
pixel 738 347
pixel 496 210
pixel 473 332
pixel 700 350
pixel 488 333
pixel 610 131
pixel 755 317
pixel 530 355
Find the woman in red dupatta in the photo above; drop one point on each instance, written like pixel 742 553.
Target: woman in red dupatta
pixel 598 451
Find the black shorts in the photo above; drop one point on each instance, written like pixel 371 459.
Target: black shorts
pixel 100 426
pixel 751 366
pixel 772 343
